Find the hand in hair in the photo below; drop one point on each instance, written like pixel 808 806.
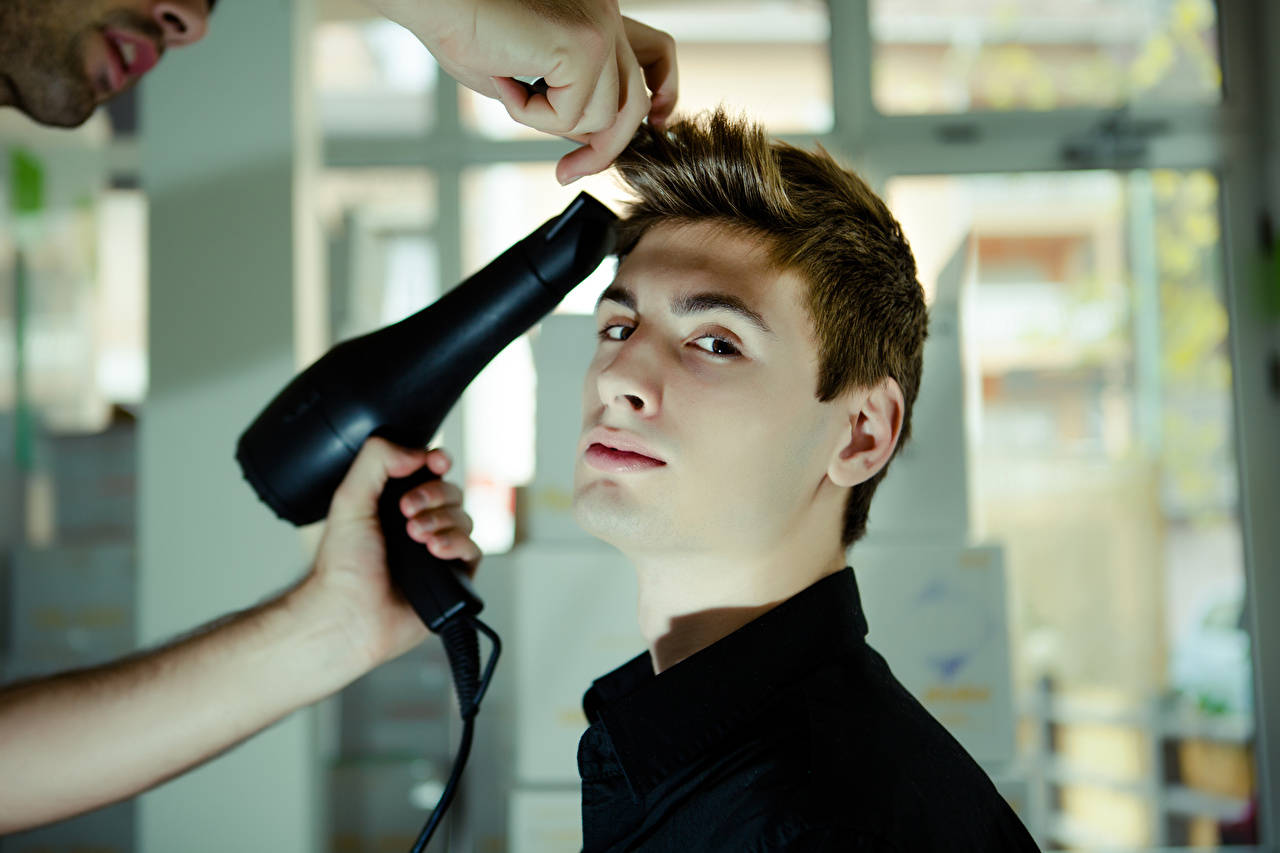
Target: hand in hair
pixel 596 65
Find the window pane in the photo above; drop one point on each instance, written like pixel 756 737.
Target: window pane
pixel 372 76
pixel 1102 458
pixel 953 57
pixel 72 301
pixel 721 49
pixel 122 300
pixel 381 255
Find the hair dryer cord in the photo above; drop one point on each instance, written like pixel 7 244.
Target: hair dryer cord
pixel 459 636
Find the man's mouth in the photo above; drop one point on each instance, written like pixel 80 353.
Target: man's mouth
pixel 129 56
pixel 605 458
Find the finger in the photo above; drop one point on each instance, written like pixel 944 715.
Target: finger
pixel 453 545
pixel 569 87
pixel 439 461
pixel 602 110
pixel 377 461
pixel 523 105
pixel 604 147
pixel 582 88
pixel 436 493
pixel 474 80
pixel 531 109
pixel 431 521
pixel 655 50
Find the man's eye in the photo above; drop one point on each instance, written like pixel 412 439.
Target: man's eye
pixel 606 334
pixel 719 346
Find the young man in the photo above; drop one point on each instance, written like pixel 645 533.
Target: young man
pixel 760 351
pixel 60 59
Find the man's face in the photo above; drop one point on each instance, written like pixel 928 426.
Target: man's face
pixel 726 407
pixel 59 59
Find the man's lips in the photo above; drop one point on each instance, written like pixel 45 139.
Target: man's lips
pixel 614 450
pixel 617 439
pixel 612 460
pixel 129 56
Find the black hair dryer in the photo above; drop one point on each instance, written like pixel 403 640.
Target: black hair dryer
pixel 399 383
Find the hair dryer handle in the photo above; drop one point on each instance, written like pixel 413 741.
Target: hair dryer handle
pixel 437 589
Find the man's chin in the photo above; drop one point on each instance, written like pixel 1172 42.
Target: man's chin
pixel 596 515
pixel 67 105
pixel 63 117
pixel 607 514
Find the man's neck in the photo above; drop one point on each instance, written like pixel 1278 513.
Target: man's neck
pixel 689 603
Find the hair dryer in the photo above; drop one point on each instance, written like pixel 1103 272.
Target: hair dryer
pixel 399 382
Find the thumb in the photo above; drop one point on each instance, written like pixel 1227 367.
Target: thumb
pixel 378 461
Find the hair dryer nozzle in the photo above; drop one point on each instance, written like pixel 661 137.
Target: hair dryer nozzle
pixel 566 249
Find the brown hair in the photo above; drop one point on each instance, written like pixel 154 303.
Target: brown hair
pixel 863 298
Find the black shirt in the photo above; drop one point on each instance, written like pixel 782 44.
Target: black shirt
pixel 789 734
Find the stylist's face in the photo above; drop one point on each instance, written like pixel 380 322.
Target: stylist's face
pixel 59 59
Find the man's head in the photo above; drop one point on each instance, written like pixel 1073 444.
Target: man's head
pixel 763 339
pixel 59 59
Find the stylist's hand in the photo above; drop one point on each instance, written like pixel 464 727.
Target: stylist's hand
pixel 350 575
pixel 595 62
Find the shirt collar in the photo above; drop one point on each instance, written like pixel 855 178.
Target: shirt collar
pixel 659 723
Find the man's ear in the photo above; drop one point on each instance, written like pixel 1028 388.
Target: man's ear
pixel 873 424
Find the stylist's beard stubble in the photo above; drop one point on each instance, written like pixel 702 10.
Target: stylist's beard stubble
pixel 42 56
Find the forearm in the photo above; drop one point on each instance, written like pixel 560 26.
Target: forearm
pixel 83 739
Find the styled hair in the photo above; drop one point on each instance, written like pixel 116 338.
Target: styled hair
pixel 814 217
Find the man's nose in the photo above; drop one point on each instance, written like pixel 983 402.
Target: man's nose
pixel 630 380
pixel 183 22
pixel 617 391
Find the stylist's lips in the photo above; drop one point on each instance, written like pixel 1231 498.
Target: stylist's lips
pixel 614 451
pixel 127 57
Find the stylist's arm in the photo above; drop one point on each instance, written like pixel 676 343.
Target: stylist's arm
pixel 599 67
pixel 83 739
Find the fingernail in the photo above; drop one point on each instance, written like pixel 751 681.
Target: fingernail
pixel 571 180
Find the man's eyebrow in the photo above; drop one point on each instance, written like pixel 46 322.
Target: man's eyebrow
pixel 692 303
pixel 620 294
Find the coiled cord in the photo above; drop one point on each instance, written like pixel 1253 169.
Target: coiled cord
pixel 463 649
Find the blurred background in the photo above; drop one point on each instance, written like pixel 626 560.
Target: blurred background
pixel 1086 187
